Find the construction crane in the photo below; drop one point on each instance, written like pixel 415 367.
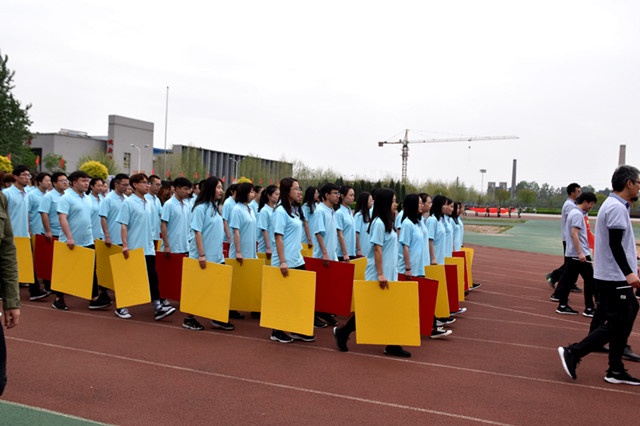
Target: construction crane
pixel 405 145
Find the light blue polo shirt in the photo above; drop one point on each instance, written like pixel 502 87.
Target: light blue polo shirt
pixel 18 210
pixel 575 219
pixel 77 207
pixel 389 243
pixel 426 256
pixel 156 213
pixel 291 229
pixel 306 212
pixel 209 223
pixel 176 214
pixel 227 209
pixel 136 214
pixel 243 219
pixel 49 205
pixel 35 219
pixel 411 235
pixel 398 221
pixel 436 231
pixel 345 223
pixel 458 234
pixel 448 229
pixel 614 214
pixel 96 225
pixel 264 223
pixel 324 223
pixel 254 206
pixel 361 232
pixel 110 209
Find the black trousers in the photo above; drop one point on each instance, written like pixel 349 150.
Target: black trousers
pixel 557 273
pixel 154 288
pixel 574 268
pixel 614 317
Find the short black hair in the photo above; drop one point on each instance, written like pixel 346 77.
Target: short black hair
pixel 623 174
pixel 327 188
pixel 18 170
pixel 78 174
pixel 572 187
pixel 181 182
pixel 586 197
pixel 56 175
pixel 40 177
pixel 117 178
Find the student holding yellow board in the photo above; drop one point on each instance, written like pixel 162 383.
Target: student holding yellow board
pixel 382 262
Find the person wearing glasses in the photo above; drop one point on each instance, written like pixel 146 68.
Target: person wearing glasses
pixel 156 205
pixel 110 208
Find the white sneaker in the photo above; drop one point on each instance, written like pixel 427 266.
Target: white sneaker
pixel 123 313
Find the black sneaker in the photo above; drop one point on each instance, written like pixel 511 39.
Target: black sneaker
pixel 566 310
pixel 59 305
pixel 341 342
pixel 192 324
pixel 328 318
pixel 589 312
pixel 302 337
pixel 569 363
pixel 39 294
pixel 439 333
pixel 444 321
pixel 255 315
pixel 235 315
pixel 621 378
pixel 280 336
pixel 163 312
pixel 550 281
pixel 395 350
pixel 222 325
pixel 576 289
pixel 459 311
pixel 628 354
pixel 103 301
pixel 475 286
pixel 164 302
pixel 554 298
pixel 123 313
pixel 318 323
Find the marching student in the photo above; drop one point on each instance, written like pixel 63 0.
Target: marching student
pixel 155 184
pixel 227 209
pixel 411 242
pixel 448 228
pixel 398 218
pixel 458 226
pixel 42 185
pixel 268 199
pixel 426 208
pixel 110 208
pixel 345 225
pixel 95 193
pixel 362 218
pixel 310 201
pixel 137 232
pixel 287 227
pixel 243 224
pixel 207 233
pixel 74 213
pixel 254 204
pixel 382 262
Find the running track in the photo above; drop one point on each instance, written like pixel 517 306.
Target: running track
pixel 499 367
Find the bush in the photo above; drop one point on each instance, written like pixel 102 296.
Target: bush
pixel 5 165
pixel 95 169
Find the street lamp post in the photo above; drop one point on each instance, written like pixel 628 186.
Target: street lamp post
pixel 139 154
pixel 482 172
pixel 236 168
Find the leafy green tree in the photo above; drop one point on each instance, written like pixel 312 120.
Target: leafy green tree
pixel 14 121
pixel 101 157
pixel 502 195
pixel 526 197
pixel 54 163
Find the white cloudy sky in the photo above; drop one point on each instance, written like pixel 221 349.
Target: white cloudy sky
pixel 322 82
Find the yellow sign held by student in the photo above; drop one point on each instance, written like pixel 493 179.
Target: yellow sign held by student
pixel 361 266
pixel 437 272
pixel 263 256
pixel 72 271
pixel 288 303
pixel 459 263
pixel 387 316
pixel 246 284
pixel 130 279
pixel 206 292
pixel 468 252
pixel 25 259
pixel 103 265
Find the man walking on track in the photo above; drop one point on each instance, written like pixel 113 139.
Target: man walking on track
pixel 573 190
pixel 615 276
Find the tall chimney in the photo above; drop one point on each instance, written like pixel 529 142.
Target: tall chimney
pixel 513 178
pixel 623 155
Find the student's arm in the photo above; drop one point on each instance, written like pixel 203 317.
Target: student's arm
pixel 615 243
pixel 47 227
pixel 343 245
pixel 64 224
pixel 432 252
pixel 308 233
pixel 407 261
pixel 325 254
pixel 236 241
pixel 105 230
pixel 283 262
pixel 226 230
pixel 267 243
pixel 575 232
pixel 202 259
pixel 377 255
pixel 123 235
pixel 165 239
pixel 358 249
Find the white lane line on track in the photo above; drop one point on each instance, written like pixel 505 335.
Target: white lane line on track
pixel 265 383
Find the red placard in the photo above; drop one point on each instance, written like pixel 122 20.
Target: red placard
pixel 225 250
pixel 43 257
pixel 451 271
pixel 427 294
pixel 466 275
pixel 334 285
pixel 169 271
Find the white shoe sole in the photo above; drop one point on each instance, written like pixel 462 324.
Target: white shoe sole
pixel 619 382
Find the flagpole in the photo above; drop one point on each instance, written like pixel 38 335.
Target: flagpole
pixel 166 120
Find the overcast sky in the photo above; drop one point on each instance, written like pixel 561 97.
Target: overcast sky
pixel 323 82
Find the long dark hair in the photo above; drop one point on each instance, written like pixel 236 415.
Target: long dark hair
pixel 411 204
pixel 285 188
pixel 454 214
pixel 382 209
pixel 242 193
pixel 92 183
pixel 310 198
pixel 230 190
pixel 208 193
pixel 265 194
pixel 362 205
pixel 436 206
pixel 344 190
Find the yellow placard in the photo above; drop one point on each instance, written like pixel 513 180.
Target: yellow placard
pixel 288 303
pixel 459 263
pixel 263 256
pixel 72 271
pixel 158 245
pixel 468 254
pixel 387 316
pixel 130 279
pixel 361 265
pixel 33 242
pixel 306 251
pixel 246 285
pixel 206 292
pixel 25 259
pixel 103 265
pixel 437 272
